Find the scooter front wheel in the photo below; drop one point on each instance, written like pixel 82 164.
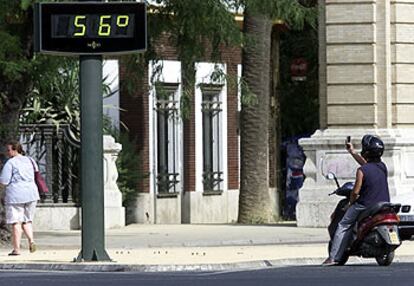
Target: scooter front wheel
pixel 386 259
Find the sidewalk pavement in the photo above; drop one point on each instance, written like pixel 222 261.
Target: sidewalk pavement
pixel 186 248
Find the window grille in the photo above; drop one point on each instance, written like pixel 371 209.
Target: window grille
pixel 212 138
pixel 167 106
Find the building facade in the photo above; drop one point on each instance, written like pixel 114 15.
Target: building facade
pixel 189 164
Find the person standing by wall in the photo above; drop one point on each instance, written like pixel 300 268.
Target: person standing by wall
pixel 21 194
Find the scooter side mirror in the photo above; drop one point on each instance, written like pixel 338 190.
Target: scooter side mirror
pixel 330 176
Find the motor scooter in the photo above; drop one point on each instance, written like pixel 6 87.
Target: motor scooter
pixel 375 234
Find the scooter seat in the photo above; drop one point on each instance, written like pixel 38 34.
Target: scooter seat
pixel 375 209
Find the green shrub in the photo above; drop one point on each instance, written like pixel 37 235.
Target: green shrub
pixel 128 165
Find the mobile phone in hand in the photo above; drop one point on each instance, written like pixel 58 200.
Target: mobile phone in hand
pixel 348 139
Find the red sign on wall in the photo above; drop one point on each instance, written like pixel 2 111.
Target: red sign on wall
pixel 299 69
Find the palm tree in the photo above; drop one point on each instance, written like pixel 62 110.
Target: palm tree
pixel 255 201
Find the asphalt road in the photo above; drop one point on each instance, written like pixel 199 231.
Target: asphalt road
pixel 400 274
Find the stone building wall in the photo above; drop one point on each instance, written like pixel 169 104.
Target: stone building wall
pixel 366 64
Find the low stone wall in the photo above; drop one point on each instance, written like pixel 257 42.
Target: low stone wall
pixel 56 217
pixel 192 207
pixel 68 216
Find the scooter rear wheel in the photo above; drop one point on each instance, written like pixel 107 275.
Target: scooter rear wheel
pixel 386 259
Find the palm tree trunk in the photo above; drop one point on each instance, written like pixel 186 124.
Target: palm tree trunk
pixel 255 202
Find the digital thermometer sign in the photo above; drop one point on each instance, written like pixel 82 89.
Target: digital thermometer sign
pixel 93 26
pixel 90 28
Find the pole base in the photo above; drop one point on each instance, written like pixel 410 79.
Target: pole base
pixel 95 255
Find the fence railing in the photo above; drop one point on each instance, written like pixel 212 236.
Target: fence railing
pixel 57 154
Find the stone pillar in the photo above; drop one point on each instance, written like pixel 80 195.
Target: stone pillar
pixel 366 67
pixel 114 212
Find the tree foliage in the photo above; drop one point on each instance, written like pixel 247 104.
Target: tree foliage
pixel 55 97
pixel 196 27
pixel 16 64
pixel 289 11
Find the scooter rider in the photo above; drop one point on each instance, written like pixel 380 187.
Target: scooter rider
pixel 371 187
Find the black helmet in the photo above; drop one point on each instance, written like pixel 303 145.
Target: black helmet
pixel 372 146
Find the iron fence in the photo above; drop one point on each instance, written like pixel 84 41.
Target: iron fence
pixel 57 153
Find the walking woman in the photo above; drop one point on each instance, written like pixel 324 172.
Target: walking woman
pixel 21 194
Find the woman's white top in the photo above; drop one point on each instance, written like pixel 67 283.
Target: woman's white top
pixel 18 177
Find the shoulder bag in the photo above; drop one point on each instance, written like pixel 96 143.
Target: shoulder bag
pixel 39 180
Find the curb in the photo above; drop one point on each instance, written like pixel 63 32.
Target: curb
pixel 240 266
pixel 78 267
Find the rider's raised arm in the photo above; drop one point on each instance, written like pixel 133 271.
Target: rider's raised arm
pixel 350 148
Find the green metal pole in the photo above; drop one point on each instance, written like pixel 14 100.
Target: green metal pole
pixel 92 189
